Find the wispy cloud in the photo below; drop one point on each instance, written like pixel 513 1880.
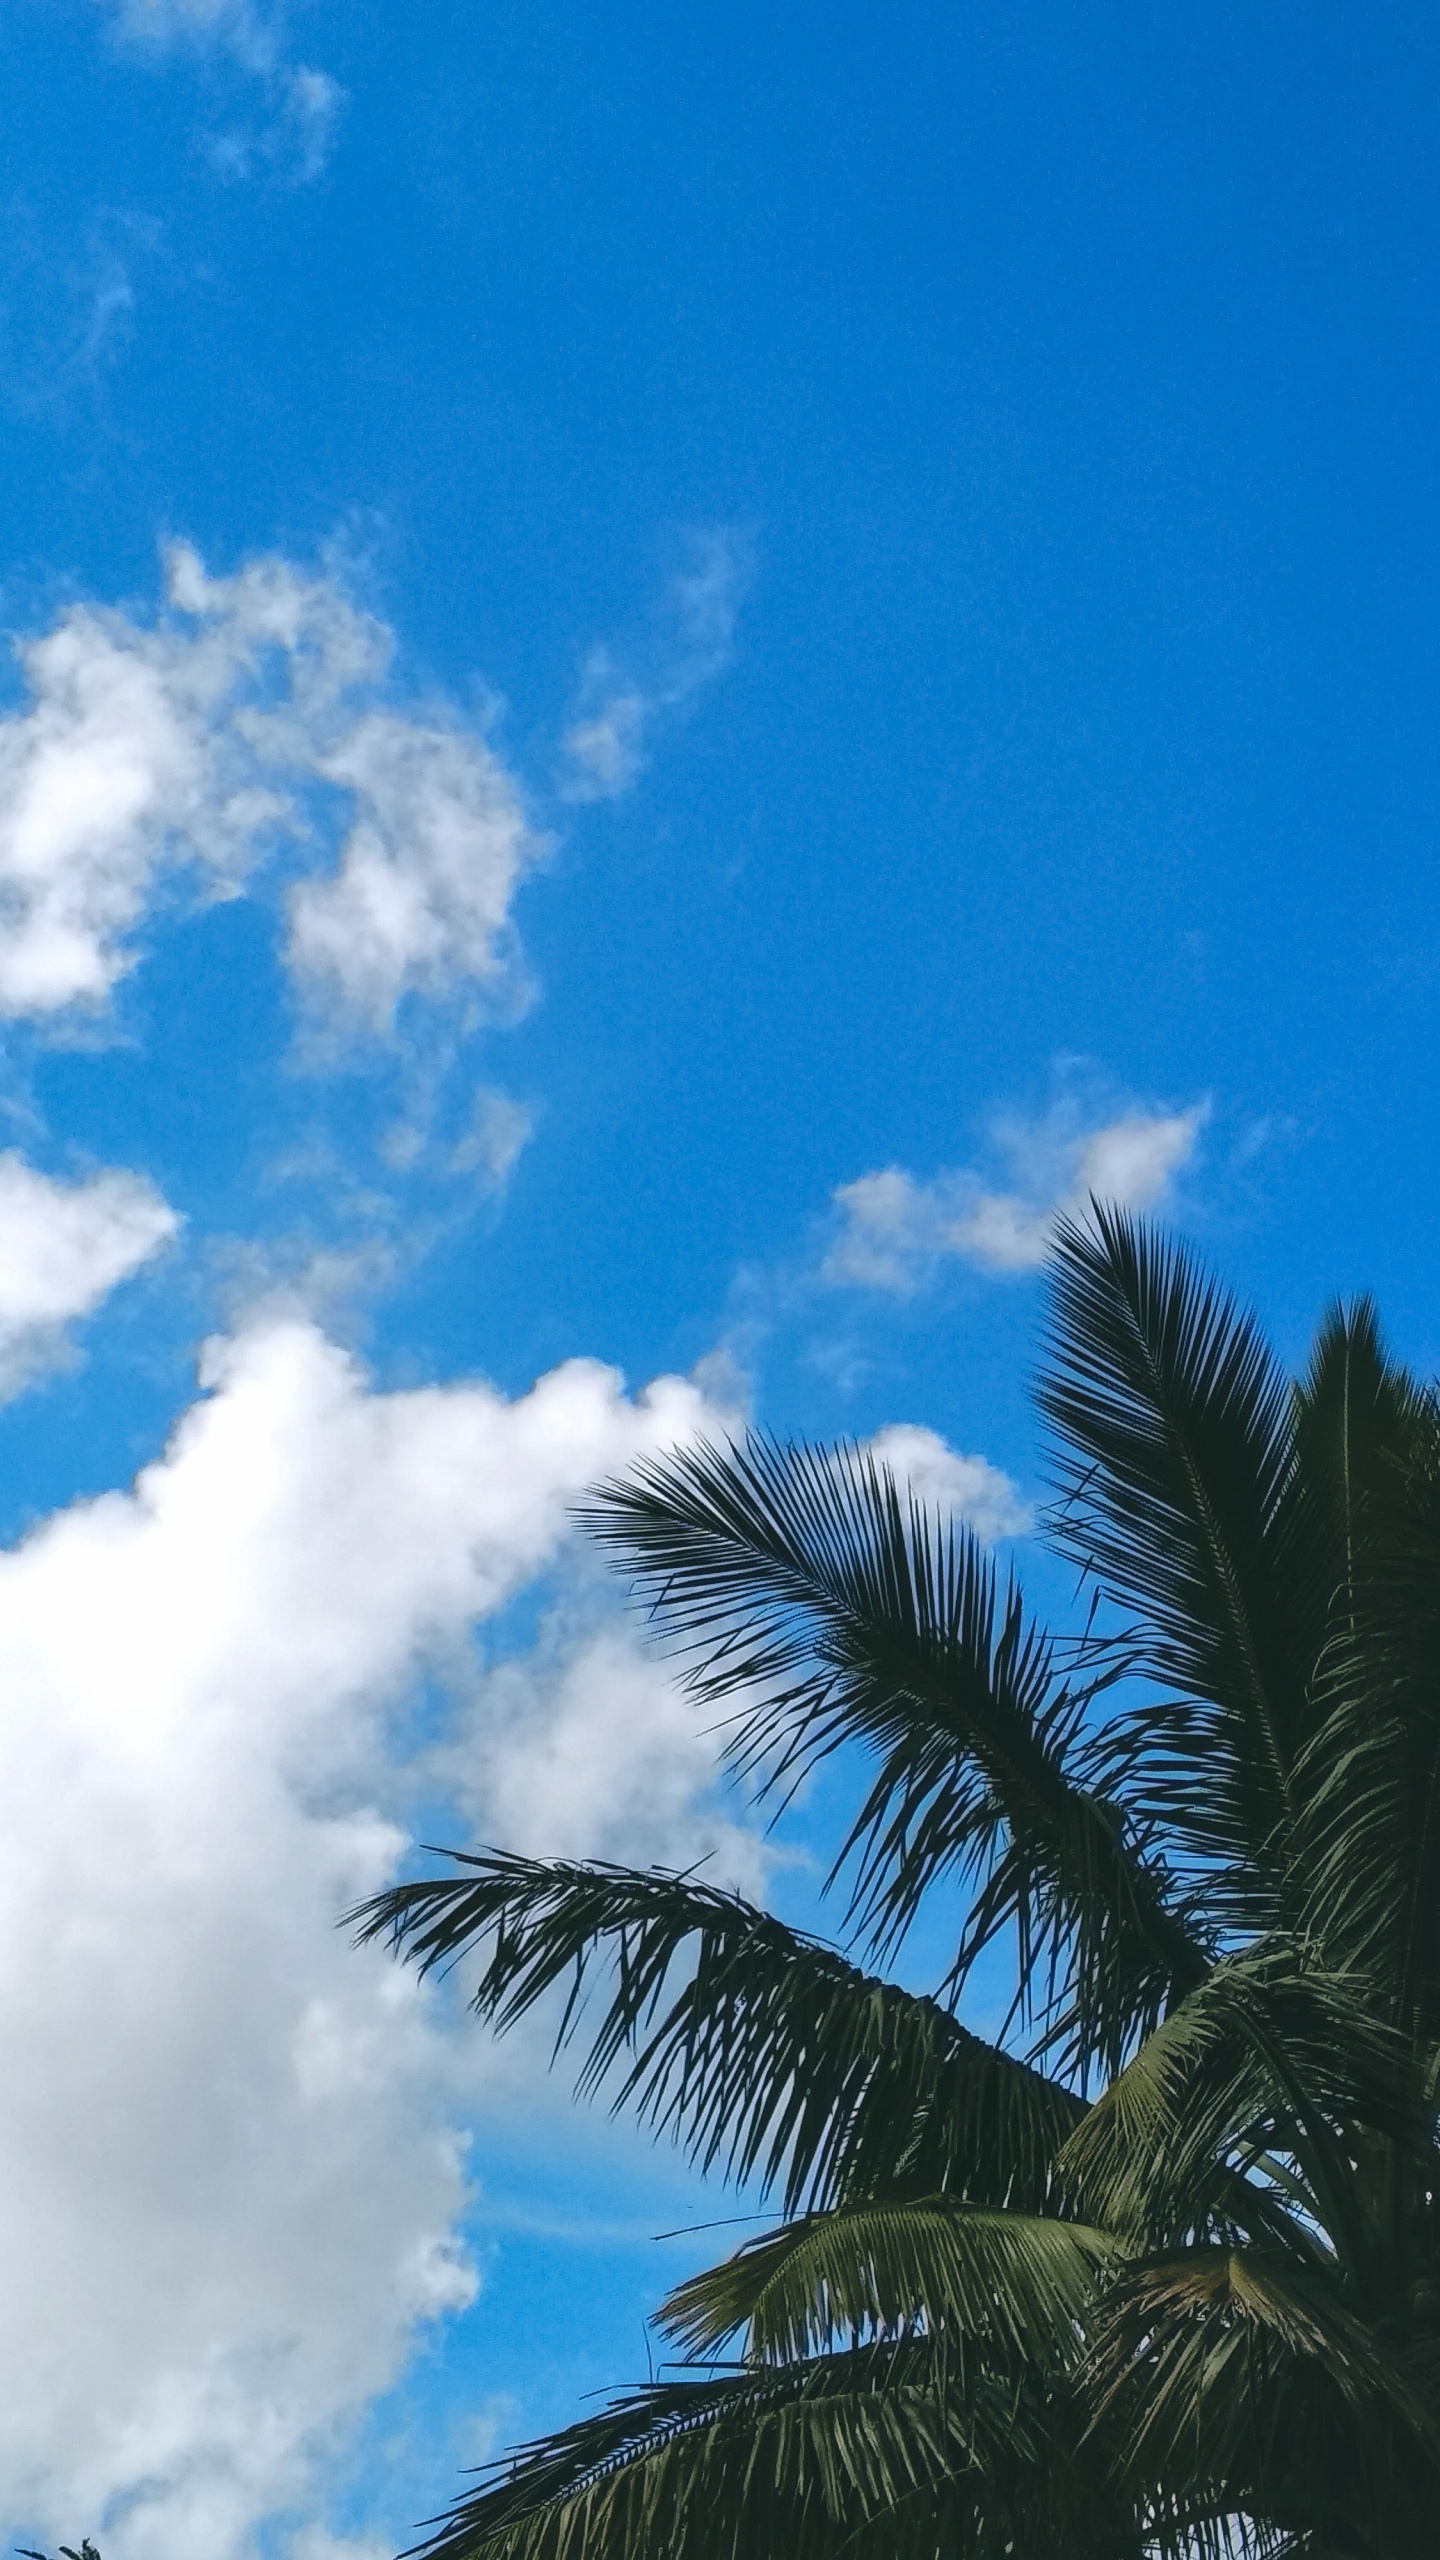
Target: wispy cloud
pixel 617 708
pixel 247 32
pixel 70 288
pixel 290 137
pixel 293 140
pixel 500 1129
pixel 110 308
pixel 895 1231
pixel 250 723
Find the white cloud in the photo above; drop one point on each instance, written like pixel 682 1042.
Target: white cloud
pixel 302 106
pixel 313 106
pixel 500 1128
pixel 421 897
pixel 294 141
pixel 111 308
pixel 604 746
pixel 946 1479
pixel 895 1230
pixel 591 1748
pixel 312 2542
pixel 239 723
pixel 228 2181
pixel 64 1247
pixel 73 285
pixel 164 24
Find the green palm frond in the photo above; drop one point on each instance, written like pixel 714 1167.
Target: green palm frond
pixel 1021 2283
pixel 901 2452
pixel 1361 1853
pixel 1364 1857
pixel 1249 2368
pixel 1357 1418
pixel 1199 2317
pixel 1271 2056
pixel 1175 1440
pixel 802 1583
pixel 763 2052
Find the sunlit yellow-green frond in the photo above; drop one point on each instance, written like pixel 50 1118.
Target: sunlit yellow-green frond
pixel 935 2267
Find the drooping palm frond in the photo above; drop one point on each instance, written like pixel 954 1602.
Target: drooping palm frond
pixel 1249 2368
pixel 1175 1443
pixel 762 2052
pixel 904 2451
pixel 1271 2057
pixel 1019 2283
pixel 803 1585
pixel 1353 1878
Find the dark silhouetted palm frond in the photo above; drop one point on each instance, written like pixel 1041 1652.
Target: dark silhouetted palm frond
pixel 762 2051
pixel 805 1591
pixel 1155 2275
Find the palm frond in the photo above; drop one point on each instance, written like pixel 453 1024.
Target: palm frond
pixel 1175 1445
pixel 896 2451
pixel 1271 2055
pixel 1201 2316
pixel 1242 2367
pixel 764 2053
pixel 803 1584
pixel 1364 1855
pixel 1020 2283
pixel 1356 1417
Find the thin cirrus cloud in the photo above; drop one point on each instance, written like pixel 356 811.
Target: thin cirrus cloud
pixel 895 1232
pixel 231 2185
pixel 499 1130
pixel 64 1247
pixel 293 142
pixel 248 724
pixel 606 742
pixel 292 136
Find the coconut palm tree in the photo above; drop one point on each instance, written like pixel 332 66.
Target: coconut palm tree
pixel 1158 2269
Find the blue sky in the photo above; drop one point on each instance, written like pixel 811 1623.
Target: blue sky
pixel 672 674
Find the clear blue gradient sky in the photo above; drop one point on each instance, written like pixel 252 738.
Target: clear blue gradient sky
pixel 798 634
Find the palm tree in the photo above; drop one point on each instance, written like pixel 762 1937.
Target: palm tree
pixel 1158 2271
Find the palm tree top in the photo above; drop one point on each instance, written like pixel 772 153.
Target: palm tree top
pixel 1160 2270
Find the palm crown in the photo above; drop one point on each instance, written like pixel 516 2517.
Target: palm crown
pixel 1160 2270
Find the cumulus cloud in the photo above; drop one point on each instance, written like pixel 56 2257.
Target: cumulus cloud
pixel 229 2181
pixel 947 1480
pixel 604 745
pixel 64 1247
pixel 421 896
pixel 590 1747
pixel 244 721
pixel 895 1231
